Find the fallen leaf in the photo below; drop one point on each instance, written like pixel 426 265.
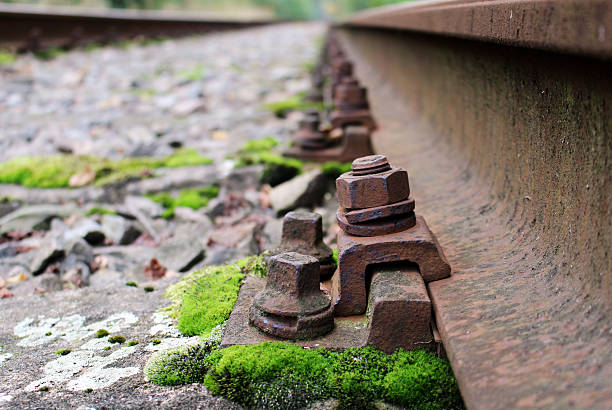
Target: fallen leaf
pixel 4 293
pixel 154 270
pixel 219 135
pixel 17 278
pixel 85 177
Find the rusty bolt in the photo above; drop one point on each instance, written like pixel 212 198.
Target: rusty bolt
pixel 375 183
pixel 292 305
pixel 349 95
pixel 303 233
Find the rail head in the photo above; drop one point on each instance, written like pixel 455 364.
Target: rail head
pixel 8 10
pixel 568 26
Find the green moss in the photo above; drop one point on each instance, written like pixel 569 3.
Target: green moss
pixel 182 365
pixel 96 210
pixel 132 284
pixel 295 103
pixel 6 58
pixel 55 171
pixel 63 352
pixel 93 47
pixel 133 342
pixel 43 388
pixel 117 339
pixel 258 145
pixel 282 375
pixel 149 288
pixel 277 169
pixel 101 333
pixel 335 255
pixel 88 390
pixel 192 198
pixel 49 53
pixel 156 341
pixel 48 334
pixel 192 74
pixel 334 169
pixel 204 299
pixel 107 347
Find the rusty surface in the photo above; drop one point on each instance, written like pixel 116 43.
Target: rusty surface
pixel 29 27
pixel 370 164
pixel 341 119
pixel 355 254
pixel 348 332
pixel 381 226
pixel 354 143
pixel 292 305
pixel 303 233
pixel 372 190
pixel 399 310
pixel 378 212
pixel 575 26
pixel 509 150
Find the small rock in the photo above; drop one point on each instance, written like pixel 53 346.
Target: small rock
pixel 87 229
pixel 305 190
pixel 34 217
pixel 184 249
pixel 187 107
pixel 145 205
pixel 241 179
pixel 52 249
pixel 76 277
pixel 119 230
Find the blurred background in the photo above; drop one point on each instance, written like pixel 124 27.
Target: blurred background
pixel 284 9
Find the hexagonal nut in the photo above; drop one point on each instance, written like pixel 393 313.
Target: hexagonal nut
pixel 367 191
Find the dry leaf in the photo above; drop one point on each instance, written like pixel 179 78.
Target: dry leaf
pixel 85 177
pixel 219 135
pixel 17 278
pixel 4 293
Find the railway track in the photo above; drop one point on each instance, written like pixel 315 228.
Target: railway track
pixel 500 112
pixel 32 28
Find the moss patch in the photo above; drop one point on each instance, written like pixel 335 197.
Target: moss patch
pixel 277 169
pixel 282 375
pixel 6 58
pixel 117 339
pixel 55 171
pixel 204 299
pixel 101 333
pixel 334 169
pixel 295 103
pixel 97 210
pixel 63 352
pixel 258 145
pixel 191 198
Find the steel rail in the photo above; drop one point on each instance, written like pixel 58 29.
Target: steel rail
pixel 29 27
pixel 574 26
pixel 507 137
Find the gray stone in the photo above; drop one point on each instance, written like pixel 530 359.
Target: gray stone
pixel 169 179
pixel 145 205
pixel 241 179
pixel 87 229
pixel 119 230
pixel 52 249
pixel 34 217
pixel 305 190
pixel 184 249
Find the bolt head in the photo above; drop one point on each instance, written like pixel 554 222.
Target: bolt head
pixel 370 190
pixel 302 226
pixel 293 274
